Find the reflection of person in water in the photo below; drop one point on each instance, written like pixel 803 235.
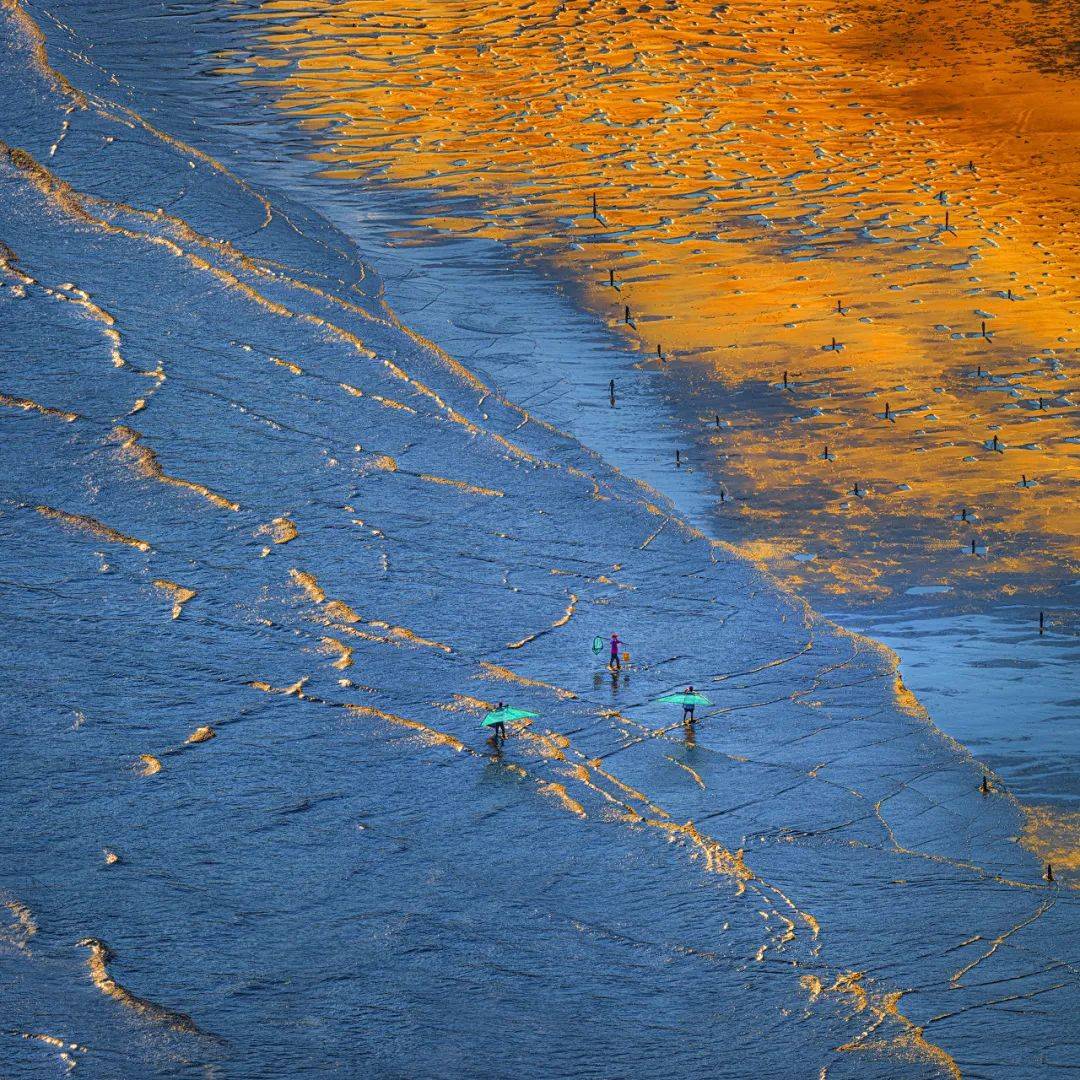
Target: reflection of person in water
pixel 688 709
pixel 616 644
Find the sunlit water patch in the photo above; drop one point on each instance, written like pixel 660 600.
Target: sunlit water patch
pixel 860 224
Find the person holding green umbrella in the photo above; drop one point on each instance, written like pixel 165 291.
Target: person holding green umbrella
pixel 687 699
pixel 501 716
pixel 688 705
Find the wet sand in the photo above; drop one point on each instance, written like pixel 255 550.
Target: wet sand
pixel 769 182
pixel 346 876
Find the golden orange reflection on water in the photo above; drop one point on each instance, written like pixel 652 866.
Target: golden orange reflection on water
pixel 769 181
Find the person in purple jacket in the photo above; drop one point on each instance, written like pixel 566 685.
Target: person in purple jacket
pixel 616 645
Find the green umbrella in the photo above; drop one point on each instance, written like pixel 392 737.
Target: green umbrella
pixel 685 699
pixel 506 715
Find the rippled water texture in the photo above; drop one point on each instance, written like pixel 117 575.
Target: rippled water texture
pixel 268 555
pixel 865 221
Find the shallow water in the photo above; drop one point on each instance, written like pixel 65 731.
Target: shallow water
pixel 531 340
pixel 346 878
pixel 832 214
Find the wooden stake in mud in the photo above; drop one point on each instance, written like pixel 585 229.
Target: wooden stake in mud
pixel 611 392
pixel 1010 295
pixel 626 315
pixel 723 494
pixel 995 442
pixel 834 344
pixel 1042 622
pixel 678 460
pixel 984 787
pixel 659 353
pixel 595 211
pixel 984 329
pixel 839 308
pixel 888 411
pixel 785 380
pixel 973 545
pixel 1049 875
pixel 611 278
pixel 963 514
pixel 716 417
pixel 825 452
pixel 1023 480
pixel 855 490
